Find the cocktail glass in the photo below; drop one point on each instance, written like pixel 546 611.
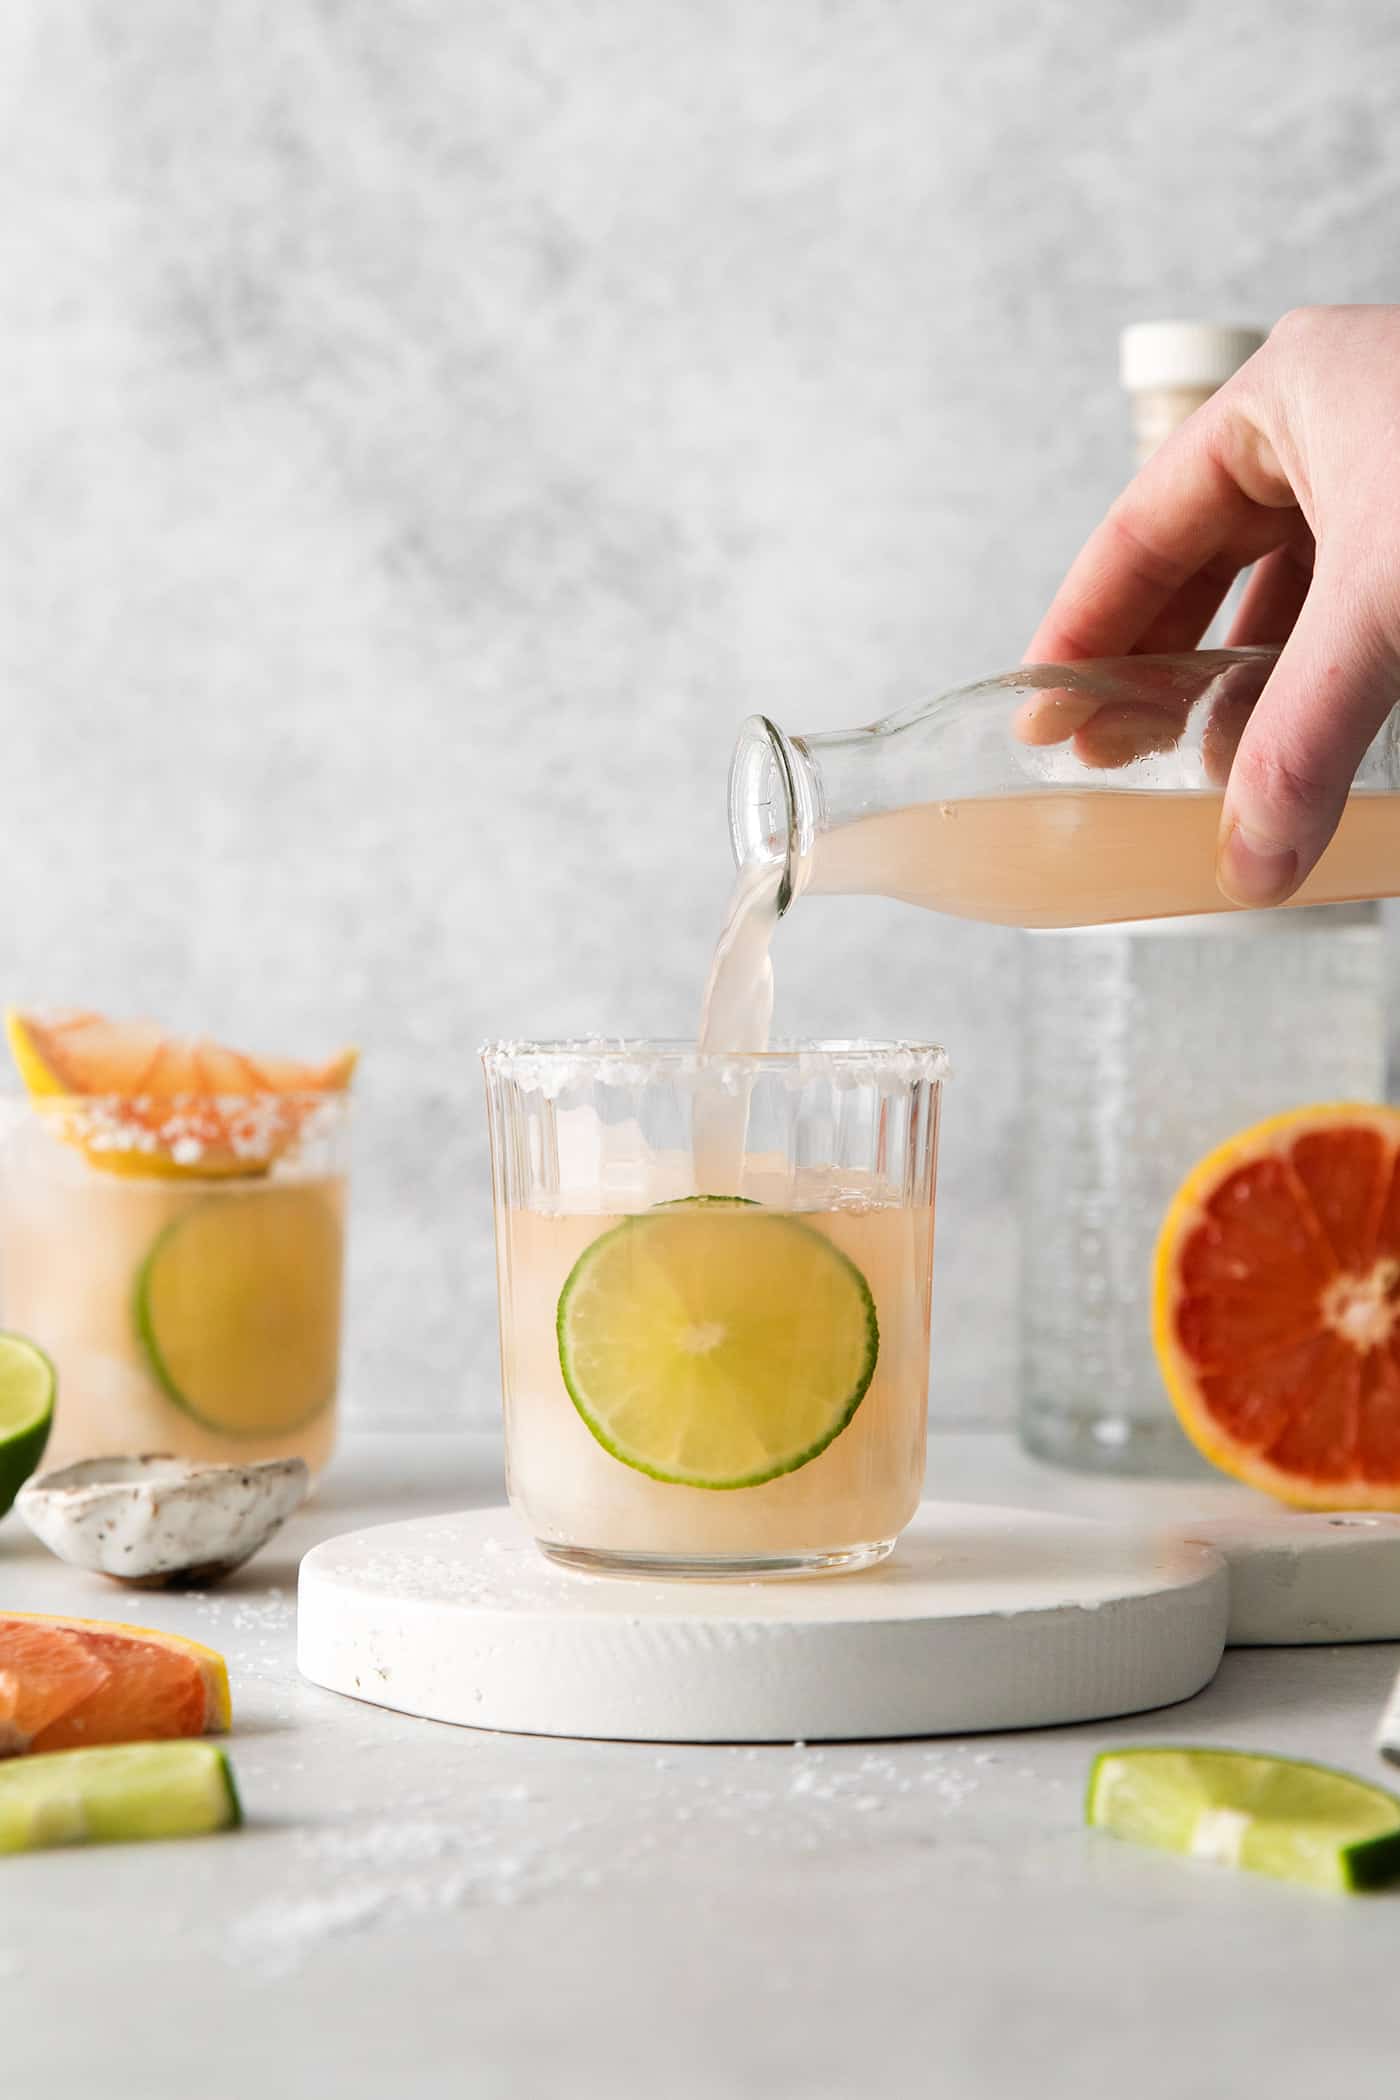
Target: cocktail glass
pixel 186 1311
pixel 714 1279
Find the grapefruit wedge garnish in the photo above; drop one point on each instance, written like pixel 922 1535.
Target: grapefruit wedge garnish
pixel 141 1101
pixel 65 1683
pixel 1277 1307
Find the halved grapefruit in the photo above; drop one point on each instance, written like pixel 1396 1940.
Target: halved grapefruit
pixel 69 1682
pixel 1277 1306
pixel 141 1101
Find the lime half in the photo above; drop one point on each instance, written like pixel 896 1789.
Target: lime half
pixel 1274 1815
pixel 238 1308
pixel 716 1344
pixel 122 1792
pixel 27 1388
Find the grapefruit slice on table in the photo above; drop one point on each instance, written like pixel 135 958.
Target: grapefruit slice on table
pixel 163 1104
pixel 65 1683
pixel 1277 1306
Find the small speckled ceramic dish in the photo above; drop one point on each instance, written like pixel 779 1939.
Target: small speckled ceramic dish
pixel 157 1522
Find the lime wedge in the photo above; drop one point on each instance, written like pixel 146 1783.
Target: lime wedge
pixel 716 1344
pixel 1274 1815
pixel 117 1793
pixel 238 1308
pixel 27 1389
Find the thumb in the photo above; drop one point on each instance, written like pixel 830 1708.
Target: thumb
pixel 1335 682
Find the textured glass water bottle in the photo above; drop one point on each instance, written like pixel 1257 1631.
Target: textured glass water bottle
pixel 1145 1047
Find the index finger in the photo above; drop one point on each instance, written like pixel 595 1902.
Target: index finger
pixel 1185 510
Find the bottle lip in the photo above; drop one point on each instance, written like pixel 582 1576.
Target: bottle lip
pixel 771 813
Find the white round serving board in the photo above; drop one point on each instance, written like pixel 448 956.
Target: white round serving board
pixel 1298 1579
pixel 982 1619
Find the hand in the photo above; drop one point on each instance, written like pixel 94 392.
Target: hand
pixel 1294 465
pixel 1118 711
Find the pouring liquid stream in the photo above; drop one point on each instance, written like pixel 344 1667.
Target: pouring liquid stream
pixel 736 1015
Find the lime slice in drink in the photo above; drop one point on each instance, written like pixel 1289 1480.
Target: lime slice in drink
pixel 238 1308
pixel 716 1344
pixel 120 1792
pixel 1274 1815
pixel 27 1388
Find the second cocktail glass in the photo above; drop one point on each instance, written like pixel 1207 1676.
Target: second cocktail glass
pixel 191 1304
pixel 715 1281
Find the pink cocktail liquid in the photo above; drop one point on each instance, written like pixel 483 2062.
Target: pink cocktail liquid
pixel 1081 857
pixel 843 1507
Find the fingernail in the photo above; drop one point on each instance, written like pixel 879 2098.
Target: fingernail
pixel 1253 870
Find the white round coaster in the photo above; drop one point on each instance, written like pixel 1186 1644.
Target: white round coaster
pixel 982 1619
pixel 1297 1578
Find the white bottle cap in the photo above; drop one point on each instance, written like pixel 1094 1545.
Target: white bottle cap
pixel 1199 355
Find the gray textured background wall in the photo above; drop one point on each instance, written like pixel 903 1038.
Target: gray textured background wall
pixel 428 426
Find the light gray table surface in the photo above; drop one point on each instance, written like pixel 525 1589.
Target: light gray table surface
pixel 414 1909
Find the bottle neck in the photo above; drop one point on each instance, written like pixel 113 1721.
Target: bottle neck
pixel 785 792
pixel 1159 410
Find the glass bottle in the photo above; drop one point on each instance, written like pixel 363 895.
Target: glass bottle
pixel 1169 369
pixel 1055 795
pixel 1144 1050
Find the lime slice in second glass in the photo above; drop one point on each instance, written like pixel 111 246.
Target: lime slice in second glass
pixel 1275 1815
pixel 238 1308
pixel 27 1388
pixel 716 1345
